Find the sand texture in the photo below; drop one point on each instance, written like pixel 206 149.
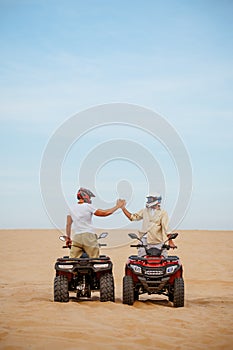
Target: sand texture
pixel 30 319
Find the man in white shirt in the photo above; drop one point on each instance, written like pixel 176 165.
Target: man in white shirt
pixel 80 216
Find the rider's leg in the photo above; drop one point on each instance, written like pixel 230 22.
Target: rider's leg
pixel 75 251
pixel 90 244
pixel 141 250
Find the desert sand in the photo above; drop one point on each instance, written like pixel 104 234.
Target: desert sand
pixel 30 319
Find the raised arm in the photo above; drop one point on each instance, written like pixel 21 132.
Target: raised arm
pixel 126 212
pixel 107 212
pixel 132 217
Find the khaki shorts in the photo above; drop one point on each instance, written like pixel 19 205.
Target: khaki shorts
pixel 85 242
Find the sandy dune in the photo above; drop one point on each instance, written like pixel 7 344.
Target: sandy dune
pixel 31 320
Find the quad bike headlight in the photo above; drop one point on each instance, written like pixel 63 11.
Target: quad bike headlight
pixel 136 268
pixel 65 267
pixel 171 269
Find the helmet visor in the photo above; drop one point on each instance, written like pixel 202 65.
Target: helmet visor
pixel 152 201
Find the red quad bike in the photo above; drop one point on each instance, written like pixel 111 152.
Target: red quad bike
pixel 153 274
pixel 84 275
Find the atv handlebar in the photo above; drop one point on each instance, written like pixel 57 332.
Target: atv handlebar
pixel 100 245
pixel 165 246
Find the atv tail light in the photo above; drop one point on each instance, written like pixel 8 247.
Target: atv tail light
pixel 65 267
pixel 101 266
pixel 171 269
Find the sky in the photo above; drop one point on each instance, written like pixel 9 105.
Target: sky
pixel 60 58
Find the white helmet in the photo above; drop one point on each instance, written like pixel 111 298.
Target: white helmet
pixel 153 199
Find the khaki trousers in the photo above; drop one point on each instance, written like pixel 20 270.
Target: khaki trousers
pixel 85 242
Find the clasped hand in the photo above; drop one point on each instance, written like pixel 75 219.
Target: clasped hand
pixel 121 203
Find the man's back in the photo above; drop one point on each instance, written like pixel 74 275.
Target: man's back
pixel 81 214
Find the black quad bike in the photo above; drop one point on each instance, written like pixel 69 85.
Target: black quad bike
pixel 153 274
pixel 84 275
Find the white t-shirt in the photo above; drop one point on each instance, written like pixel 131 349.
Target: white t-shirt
pixel 82 218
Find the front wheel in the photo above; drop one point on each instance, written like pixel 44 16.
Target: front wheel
pixel 107 287
pixel 136 295
pixel 61 292
pixel 128 290
pixel 178 296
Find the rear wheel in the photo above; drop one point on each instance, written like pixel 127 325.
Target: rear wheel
pixel 128 290
pixel 107 287
pixel 61 292
pixel 178 297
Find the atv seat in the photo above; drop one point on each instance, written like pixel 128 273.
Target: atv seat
pixel 172 258
pixel 136 257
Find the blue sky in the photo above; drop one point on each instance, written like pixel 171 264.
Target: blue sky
pixel 61 57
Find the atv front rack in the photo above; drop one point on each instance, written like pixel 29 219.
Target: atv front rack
pixel 141 258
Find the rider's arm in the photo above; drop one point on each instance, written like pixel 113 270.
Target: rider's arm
pixel 107 212
pixel 126 212
pixel 133 217
pixel 165 228
pixel 171 243
pixel 68 228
